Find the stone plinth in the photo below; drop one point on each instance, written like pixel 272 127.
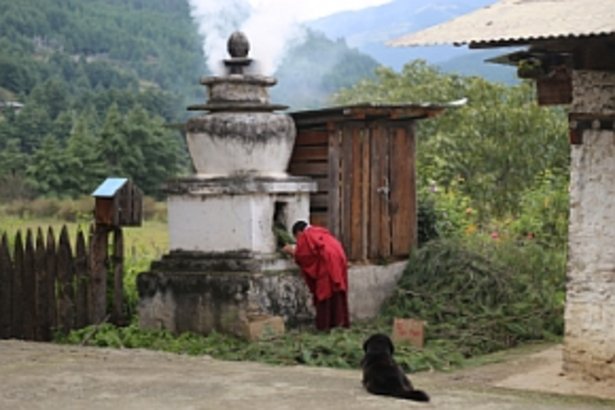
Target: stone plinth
pixel 589 343
pixel 227 214
pixel 224 271
pixel 227 292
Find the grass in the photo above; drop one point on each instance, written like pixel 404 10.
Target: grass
pixel 149 240
pixel 447 273
pixel 340 348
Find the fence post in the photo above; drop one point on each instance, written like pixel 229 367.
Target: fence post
pixel 17 317
pixel 42 297
pixel 52 275
pixel 118 275
pixel 29 290
pixel 98 263
pixel 6 285
pixel 66 306
pixel 82 281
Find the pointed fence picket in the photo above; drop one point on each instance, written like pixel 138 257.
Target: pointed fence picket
pixel 45 286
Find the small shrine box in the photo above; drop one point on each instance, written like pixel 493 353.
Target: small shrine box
pixel 119 202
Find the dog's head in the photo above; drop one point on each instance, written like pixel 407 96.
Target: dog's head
pixel 378 343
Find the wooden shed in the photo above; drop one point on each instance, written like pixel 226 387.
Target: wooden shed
pixel 363 159
pixel 119 202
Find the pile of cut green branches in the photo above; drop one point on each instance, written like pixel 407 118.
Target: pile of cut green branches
pixel 341 348
pixel 482 297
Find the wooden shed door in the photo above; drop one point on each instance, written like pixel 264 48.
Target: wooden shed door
pixel 372 170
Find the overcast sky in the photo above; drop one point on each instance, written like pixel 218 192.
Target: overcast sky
pixel 312 9
pixel 271 25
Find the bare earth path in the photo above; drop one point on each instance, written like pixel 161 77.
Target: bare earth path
pixel 50 377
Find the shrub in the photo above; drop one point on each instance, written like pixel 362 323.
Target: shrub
pixel 443 214
pixel 43 207
pixel 73 210
pixel 544 211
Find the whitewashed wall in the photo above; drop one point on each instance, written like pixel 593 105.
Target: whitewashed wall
pixel 590 306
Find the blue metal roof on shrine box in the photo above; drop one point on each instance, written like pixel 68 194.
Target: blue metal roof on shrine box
pixel 109 187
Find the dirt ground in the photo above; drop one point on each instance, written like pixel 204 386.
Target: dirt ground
pixel 50 377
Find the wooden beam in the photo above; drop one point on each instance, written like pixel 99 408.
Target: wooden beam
pixel 334 176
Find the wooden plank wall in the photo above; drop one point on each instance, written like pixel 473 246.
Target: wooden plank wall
pixel 310 158
pixel 377 196
pixel 366 185
pixel 402 198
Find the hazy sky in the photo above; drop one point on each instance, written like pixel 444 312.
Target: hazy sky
pixel 271 25
pixel 313 9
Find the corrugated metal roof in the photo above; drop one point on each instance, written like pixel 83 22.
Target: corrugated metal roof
pixel 519 22
pixel 109 187
pixel 377 110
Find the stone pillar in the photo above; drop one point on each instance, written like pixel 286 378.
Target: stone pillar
pixel 589 344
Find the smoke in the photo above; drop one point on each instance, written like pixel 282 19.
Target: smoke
pixel 271 26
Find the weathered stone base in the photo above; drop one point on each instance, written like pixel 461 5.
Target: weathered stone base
pixel 587 348
pixel 186 293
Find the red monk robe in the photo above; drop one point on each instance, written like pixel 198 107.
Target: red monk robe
pixel 324 267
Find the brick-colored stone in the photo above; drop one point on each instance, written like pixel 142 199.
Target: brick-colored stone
pixel 409 330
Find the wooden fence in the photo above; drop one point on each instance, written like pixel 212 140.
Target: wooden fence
pixel 45 286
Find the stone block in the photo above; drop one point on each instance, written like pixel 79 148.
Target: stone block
pixel 409 330
pixel 264 327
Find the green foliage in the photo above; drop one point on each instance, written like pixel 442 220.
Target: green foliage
pixel 444 214
pixel 543 214
pixel 484 295
pixel 100 82
pixel 340 348
pixel 282 236
pixel 488 150
pixel 156 41
pixel 136 145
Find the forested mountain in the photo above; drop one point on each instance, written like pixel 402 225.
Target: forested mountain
pixel 101 79
pixel 314 70
pixel 369 30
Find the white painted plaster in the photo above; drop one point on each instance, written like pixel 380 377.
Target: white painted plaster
pixel 230 222
pixel 369 286
pixel 590 305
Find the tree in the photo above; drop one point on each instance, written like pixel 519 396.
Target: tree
pixel 490 149
pixel 115 150
pixel 47 170
pixel 160 149
pixel 31 125
pixel 13 165
pixel 51 94
pixel 83 158
pixel 12 160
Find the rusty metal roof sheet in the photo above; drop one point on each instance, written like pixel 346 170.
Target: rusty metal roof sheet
pixel 520 22
pixel 361 111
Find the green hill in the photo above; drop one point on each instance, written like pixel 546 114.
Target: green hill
pixel 100 79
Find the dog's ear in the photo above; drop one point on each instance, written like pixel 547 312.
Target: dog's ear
pixel 366 343
pixel 391 346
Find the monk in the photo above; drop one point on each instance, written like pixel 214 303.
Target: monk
pixel 324 268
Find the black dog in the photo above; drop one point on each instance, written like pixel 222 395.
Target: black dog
pixel 382 375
